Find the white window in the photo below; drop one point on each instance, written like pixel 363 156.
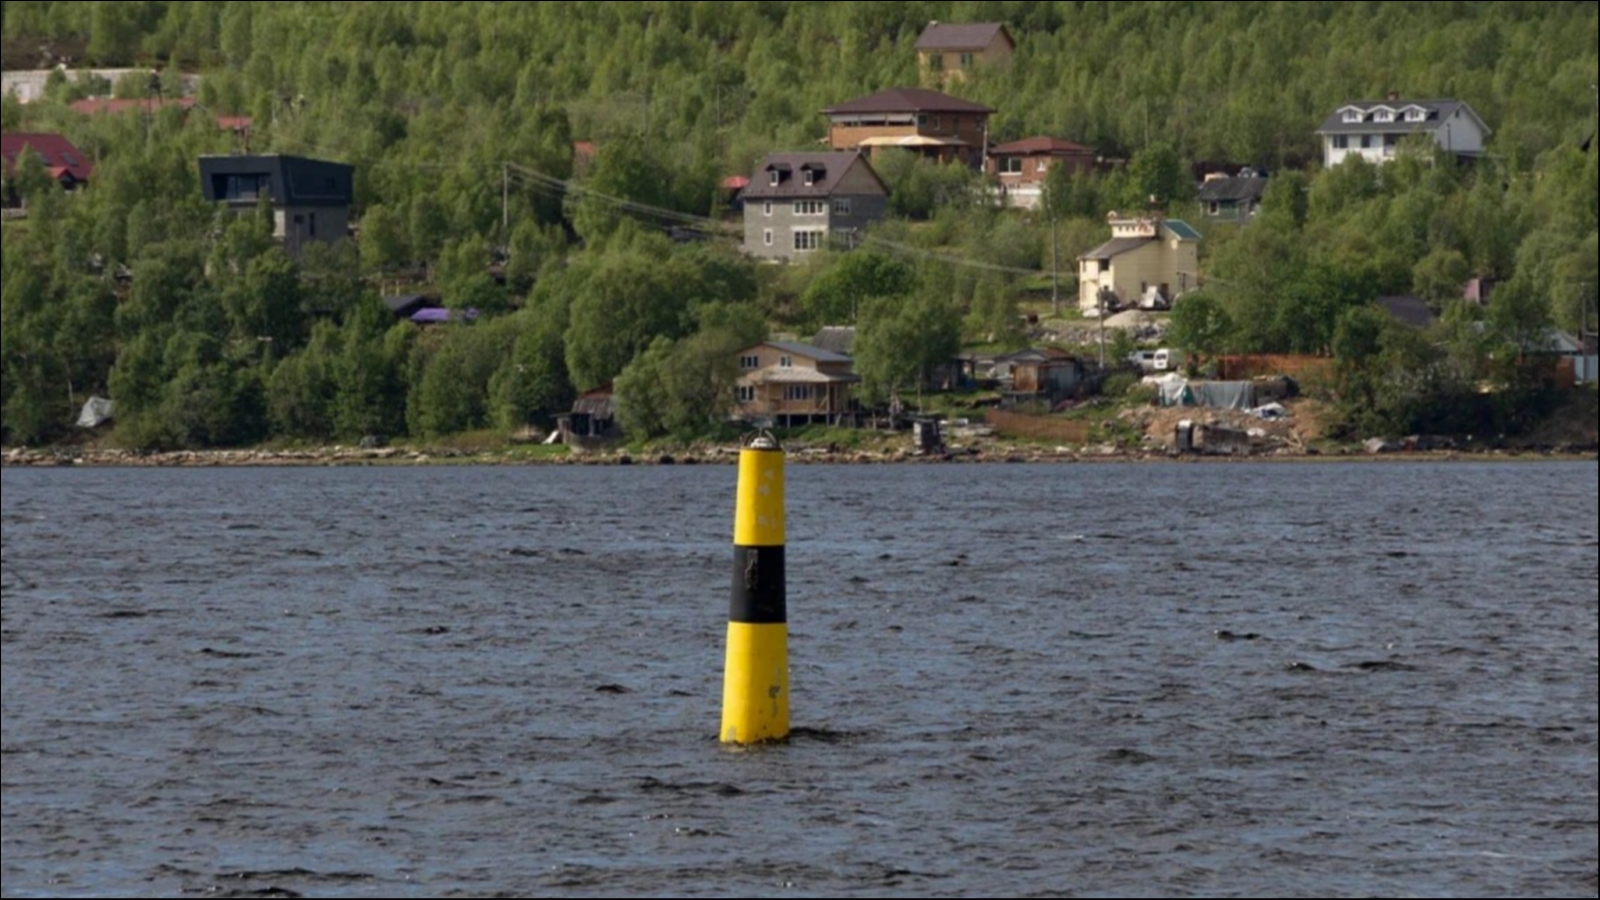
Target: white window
pixel 1341 142
pixel 798 393
pixel 1384 115
pixel 807 241
pixel 966 60
pixel 1366 142
pixel 1352 116
pixel 750 363
pixel 766 237
pixel 1011 165
pixel 1044 166
pixel 810 178
pixel 786 362
pixel 768 208
pixel 842 207
pixel 747 395
pixel 1416 115
pixel 810 208
pixel 774 178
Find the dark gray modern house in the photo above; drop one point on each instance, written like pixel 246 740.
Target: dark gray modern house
pixel 800 203
pixel 310 198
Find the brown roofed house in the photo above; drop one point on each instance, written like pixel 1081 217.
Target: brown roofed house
pixel 1022 167
pixel 799 203
pixel 947 52
pixel 795 384
pixel 931 124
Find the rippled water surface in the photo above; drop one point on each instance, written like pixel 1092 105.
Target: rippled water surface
pixel 1019 681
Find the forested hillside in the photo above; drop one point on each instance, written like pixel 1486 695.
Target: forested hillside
pixel 218 338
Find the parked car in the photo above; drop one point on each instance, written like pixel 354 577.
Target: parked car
pixel 1155 362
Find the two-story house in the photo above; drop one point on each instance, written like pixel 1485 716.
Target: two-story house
pixel 928 123
pixel 794 384
pixel 946 53
pixel 310 198
pixel 1374 129
pixel 65 164
pixel 799 203
pixel 1021 168
pixel 1149 263
pixel 1232 200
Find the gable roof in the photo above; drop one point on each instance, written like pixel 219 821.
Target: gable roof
pixel 840 340
pixel 977 36
pixel 1233 190
pixel 828 170
pixel 1412 311
pixel 60 156
pixel 1438 112
pixel 809 352
pixel 1116 248
pixel 908 100
pixel 1041 146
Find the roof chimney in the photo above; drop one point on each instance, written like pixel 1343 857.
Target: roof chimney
pixel 1394 96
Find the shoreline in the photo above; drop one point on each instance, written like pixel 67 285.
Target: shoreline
pixel 340 457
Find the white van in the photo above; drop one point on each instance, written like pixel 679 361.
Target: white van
pixel 1155 361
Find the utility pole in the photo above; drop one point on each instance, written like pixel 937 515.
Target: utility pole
pixel 1102 305
pixel 1055 261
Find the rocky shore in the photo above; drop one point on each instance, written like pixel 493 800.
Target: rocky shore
pixel 712 456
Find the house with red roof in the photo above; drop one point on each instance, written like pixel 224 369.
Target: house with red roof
pixel 1021 168
pixel 928 123
pixel 65 163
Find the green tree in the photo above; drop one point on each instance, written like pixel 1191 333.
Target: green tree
pixel 1201 326
pixel 384 241
pixel 835 297
pixel 901 341
pixel 621 302
pixel 532 385
pixel 1442 277
pixel 1157 176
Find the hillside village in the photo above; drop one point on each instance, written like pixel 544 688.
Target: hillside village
pixel 1136 310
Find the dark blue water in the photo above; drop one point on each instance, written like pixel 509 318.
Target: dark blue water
pixel 1022 681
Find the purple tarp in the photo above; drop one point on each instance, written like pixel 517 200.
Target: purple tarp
pixel 441 316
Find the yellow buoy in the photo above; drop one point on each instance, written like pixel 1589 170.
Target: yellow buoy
pixel 755 697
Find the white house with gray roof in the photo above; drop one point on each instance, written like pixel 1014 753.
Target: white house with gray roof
pixel 1374 129
pixel 800 203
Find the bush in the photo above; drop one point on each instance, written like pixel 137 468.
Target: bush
pixel 1143 395
pixel 1120 385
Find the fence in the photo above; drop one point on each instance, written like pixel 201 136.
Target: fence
pixel 1040 429
pixel 1249 368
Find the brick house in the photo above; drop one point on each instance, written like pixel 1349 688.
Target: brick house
pixel 1021 168
pixel 934 125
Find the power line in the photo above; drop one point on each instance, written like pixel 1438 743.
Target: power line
pixel 558 186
